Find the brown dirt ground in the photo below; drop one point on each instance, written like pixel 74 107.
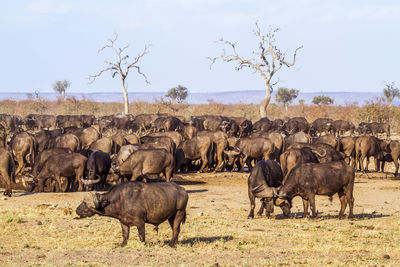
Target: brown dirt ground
pixel 40 229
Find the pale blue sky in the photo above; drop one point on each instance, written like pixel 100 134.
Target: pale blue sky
pixel 348 45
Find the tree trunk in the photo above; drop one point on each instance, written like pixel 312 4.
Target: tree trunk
pixel 126 101
pixel 265 103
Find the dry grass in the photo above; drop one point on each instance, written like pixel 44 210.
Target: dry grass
pixel 39 229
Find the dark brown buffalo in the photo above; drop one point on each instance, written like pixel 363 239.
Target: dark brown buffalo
pixel 199 147
pixel 347 147
pixel 64 121
pixel 87 120
pixel 175 136
pixel 44 155
pixel 145 162
pixel 263 181
pixel 198 122
pixel 299 137
pixel 262 125
pixel 137 203
pixel 86 135
pixel 380 128
pixel 132 139
pixel 118 141
pixel 70 165
pixel 391 154
pixel 320 126
pixel 24 149
pixel 310 179
pixel 167 141
pixel 189 131
pixel 40 121
pixel 214 123
pixel 339 127
pixel 124 153
pixel 374 128
pixel 324 152
pixel 295 156
pixel 144 121
pixel 220 142
pixel 278 138
pixel 7 169
pixel 3 136
pixel 104 144
pixel 70 141
pixel 97 167
pixel 297 124
pixel 165 124
pixel 245 128
pixel 44 140
pixel 367 146
pixel 249 148
pixel 328 139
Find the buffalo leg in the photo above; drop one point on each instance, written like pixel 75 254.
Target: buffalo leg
pixel 204 160
pixel 305 207
pixel 396 163
pixel 21 165
pixel 343 203
pixel 252 205
pixel 376 164
pixel 261 210
pixel 176 228
pixel 7 180
pixel 141 231
pixel 312 206
pixel 58 180
pixel 125 234
pixel 350 199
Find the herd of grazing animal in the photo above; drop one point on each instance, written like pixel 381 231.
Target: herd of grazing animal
pixel 126 154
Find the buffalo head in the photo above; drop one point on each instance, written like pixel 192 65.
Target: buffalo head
pixel 90 206
pixel 231 154
pixel 284 204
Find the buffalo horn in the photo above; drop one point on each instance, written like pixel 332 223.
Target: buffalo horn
pixel 318 154
pixel 89 182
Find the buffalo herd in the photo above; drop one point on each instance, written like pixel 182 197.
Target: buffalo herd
pixel 125 155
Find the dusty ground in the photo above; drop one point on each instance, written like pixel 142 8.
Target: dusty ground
pixel 39 229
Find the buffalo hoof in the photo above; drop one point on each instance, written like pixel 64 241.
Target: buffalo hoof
pixel 259 213
pixel 123 244
pixel 250 217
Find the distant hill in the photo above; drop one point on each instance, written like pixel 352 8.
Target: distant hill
pixel 233 97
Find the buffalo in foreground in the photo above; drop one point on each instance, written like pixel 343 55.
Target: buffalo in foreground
pixel 137 203
pixel 263 181
pixel 310 179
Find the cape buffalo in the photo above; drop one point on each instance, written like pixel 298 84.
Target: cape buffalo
pixel 263 181
pixel 137 203
pixel 310 179
pixel 7 169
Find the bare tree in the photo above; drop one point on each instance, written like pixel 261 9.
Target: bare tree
pixel 390 92
pixel 121 66
pixel 61 86
pixel 269 59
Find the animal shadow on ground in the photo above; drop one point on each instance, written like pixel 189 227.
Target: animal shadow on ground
pixel 181 181
pixel 207 240
pixel 197 191
pixel 320 216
